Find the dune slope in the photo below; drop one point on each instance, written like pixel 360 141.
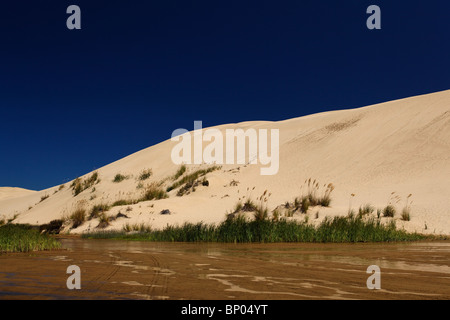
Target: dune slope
pixel 396 152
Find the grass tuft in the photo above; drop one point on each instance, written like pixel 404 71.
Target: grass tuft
pixel 79 185
pixel 119 178
pixel 389 211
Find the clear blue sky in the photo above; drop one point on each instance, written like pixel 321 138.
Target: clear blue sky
pixel 75 100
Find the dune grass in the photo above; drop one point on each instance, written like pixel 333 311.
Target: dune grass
pixel 179 172
pixel 79 185
pixel 240 230
pixel 191 178
pixel 23 238
pixel 145 174
pixel 119 178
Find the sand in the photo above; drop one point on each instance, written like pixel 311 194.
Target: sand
pixel 381 154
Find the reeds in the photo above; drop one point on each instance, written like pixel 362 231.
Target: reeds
pixel 241 230
pixel 23 238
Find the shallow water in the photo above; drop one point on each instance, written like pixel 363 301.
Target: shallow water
pixel 113 269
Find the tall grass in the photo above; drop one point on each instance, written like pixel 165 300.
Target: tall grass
pixel 23 238
pixel 78 217
pixel 240 230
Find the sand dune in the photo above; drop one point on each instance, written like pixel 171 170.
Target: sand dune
pixel 380 153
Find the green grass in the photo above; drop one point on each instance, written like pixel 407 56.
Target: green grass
pixel 240 230
pixel 23 238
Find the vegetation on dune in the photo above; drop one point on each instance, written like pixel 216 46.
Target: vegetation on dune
pixel 119 178
pixel 98 210
pixel 153 192
pixel 191 178
pixel 145 174
pixel 24 238
pixel 179 172
pixel 79 185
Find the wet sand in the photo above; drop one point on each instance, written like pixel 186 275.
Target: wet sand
pixel 143 270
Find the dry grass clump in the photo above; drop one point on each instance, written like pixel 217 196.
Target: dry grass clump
pixel 98 210
pixel 153 192
pixel 389 211
pixel 145 174
pixel 119 178
pixel 179 172
pixel 79 185
pixel 78 217
pixel 406 211
pixel 365 210
pixel 313 196
pixel 260 210
pixel 192 177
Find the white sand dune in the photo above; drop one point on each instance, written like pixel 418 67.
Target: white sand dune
pixel 380 153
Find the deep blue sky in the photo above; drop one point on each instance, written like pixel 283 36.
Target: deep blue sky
pixel 73 101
